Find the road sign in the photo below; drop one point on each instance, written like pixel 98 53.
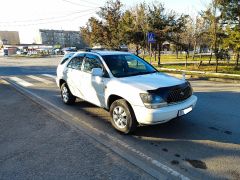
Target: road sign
pixel 151 37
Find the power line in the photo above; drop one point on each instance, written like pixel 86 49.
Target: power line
pixel 78 4
pixel 47 22
pixel 49 18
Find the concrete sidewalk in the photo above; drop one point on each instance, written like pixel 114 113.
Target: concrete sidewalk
pixel 35 145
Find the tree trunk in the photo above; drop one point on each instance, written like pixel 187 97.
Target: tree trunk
pixel 177 51
pixel 237 60
pixel 200 53
pixel 200 63
pixel 194 49
pixel 137 50
pixel 155 54
pixel 186 62
pixel 150 53
pixel 210 57
pixel 159 54
pixel 216 56
pixel 144 53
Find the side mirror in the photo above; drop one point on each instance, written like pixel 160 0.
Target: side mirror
pixel 97 72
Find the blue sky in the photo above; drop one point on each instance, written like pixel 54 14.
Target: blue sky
pixel 27 16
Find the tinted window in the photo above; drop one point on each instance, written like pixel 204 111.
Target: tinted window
pixel 135 64
pixel 91 62
pixel 66 57
pixel 76 62
pixel 124 65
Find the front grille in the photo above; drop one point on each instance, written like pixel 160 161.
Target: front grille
pixel 179 94
pixel 174 94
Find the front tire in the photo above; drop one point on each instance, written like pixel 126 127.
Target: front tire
pixel 123 118
pixel 66 94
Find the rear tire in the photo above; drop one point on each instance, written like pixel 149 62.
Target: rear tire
pixel 123 118
pixel 66 94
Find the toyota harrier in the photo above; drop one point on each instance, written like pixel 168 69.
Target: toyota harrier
pixel 133 91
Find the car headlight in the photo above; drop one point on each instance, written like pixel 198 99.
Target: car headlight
pixel 152 101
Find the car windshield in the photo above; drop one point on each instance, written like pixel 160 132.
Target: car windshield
pixel 124 65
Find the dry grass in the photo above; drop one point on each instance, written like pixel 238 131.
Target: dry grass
pixel 181 57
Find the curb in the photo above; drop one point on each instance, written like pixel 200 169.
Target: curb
pixel 195 77
pixel 202 75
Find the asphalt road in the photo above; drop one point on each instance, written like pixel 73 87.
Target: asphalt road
pixel 204 144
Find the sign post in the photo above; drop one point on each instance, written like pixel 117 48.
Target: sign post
pixel 151 39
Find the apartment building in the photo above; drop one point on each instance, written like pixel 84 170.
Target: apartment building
pixel 60 38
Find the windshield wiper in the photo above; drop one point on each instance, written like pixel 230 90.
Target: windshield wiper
pixel 142 73
pixel 134 74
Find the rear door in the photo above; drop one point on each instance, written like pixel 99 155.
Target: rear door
pixel 74 74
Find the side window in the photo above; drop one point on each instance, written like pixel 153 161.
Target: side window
pixel 134 64
pixel 91 62
pixel 66 57
pixel 64 60
pixel 76 62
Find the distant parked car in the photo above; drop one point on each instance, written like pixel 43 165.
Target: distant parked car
pixel 131 89
pixel 57 51
pixel 30 53
pixel 69 49
pixel 5 52
pixel 20 52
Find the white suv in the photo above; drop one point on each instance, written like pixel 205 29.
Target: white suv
pixel 130 88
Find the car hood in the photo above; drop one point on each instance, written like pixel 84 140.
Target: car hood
pixel 151 81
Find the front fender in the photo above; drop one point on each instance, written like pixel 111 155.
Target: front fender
pixel 125 91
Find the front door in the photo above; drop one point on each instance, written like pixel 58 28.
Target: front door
pixel 93 87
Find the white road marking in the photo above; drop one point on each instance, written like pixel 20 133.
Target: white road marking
pixel 49 75
pixel 40 79
pixel 21 81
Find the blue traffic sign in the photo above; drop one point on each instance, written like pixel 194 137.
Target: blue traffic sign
pixel 151 37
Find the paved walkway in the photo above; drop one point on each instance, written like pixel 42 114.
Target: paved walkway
pixel 34 145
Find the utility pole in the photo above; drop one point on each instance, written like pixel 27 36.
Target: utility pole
pixel 215 32
pixel 150 44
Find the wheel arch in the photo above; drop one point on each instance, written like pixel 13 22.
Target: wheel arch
pixel 113 98
pixel 61 81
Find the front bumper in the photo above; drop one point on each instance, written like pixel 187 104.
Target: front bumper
pixel 57 81
pixel 162 115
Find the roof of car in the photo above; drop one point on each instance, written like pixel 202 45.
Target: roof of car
pixel 110 52
pixel 102 53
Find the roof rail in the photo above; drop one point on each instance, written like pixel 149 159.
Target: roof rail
pixel 101 49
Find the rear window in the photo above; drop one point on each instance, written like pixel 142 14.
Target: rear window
pixel 76 62
pixel 66 57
